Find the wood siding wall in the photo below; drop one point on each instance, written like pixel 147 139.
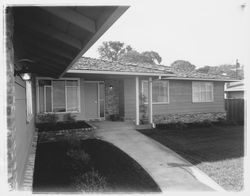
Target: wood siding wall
pixel 180 93
pixel 24 129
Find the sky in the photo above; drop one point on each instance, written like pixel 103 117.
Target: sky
pixel 202 32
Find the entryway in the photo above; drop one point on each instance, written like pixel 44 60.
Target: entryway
pixel 94 99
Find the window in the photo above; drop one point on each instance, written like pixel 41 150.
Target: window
pixel 202 91
pixel 160 91
pixel 58 95
pixel 29 108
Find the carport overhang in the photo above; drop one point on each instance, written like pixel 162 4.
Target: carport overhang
pixel 55 37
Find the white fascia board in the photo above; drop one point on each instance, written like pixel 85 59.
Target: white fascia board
pixel 200 79
pixel 117 73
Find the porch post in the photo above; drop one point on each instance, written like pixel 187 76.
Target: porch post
pixel 150 107
pixel 137 118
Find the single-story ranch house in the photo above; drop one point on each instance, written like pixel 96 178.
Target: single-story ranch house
pixel 49 43
pixel 98 89
pixel 44 41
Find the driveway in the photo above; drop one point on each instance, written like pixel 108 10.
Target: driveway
pixel 170 171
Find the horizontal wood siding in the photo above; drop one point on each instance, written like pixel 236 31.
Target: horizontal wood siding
pixel 129 98
pixel 180 93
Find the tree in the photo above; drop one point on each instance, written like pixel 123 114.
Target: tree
pixel 182 66
pixel 145 57
pixel 204 69
pixel 112 50
pixel 227 69
pixel 153 56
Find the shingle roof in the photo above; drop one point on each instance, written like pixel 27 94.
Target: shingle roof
pixel 92 64
pixel 198 75
pixel 87 63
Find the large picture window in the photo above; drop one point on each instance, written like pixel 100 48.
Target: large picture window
pixel 160 91
pixel 58 95
pixel 202 91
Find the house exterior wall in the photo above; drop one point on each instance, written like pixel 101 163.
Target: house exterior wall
pixel 180 94
pixel 111 98
pixel 112 103
pixel 235 94
pixel 24 129
pixel 181 107
pixel 11 125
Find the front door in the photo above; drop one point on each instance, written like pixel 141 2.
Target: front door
pixel 91 100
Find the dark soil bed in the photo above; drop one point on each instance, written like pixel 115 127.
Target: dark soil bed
pixel 114 170
pixel 64 125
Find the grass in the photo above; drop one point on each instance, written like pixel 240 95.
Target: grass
pixel 217 151
pixel 88 166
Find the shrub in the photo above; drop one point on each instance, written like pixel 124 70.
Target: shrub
pixel 207 123
pixel 114 117
pixel 69 117
pixel 180 125
pixel 46 118
pixel 90 181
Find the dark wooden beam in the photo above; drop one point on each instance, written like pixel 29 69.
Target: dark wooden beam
pixel 49 31
pixel 73 17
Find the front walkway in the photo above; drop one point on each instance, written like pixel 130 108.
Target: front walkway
pixel 170 171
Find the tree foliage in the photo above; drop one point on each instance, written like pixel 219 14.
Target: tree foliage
pixel 182 66
pixel 113 50
pixel 145 57
pixel 233 71
pixel 153 56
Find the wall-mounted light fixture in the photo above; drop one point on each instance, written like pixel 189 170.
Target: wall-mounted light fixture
pixel 110 87
pixel 25 71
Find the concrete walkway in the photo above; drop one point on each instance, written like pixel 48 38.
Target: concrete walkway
pixel 170 171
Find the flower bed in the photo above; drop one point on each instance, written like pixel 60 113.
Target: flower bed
pixel 62 125
pixel 88 166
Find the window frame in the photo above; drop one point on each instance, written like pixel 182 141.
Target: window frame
pixel 163 102
pixel 65 79
pixel 212 91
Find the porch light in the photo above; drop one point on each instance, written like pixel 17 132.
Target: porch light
pixel 25 76
pixel 25 71
pixel 110 87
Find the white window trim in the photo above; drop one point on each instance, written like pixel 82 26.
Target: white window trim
pixel 156 103
pixel 66 112
pixel 202 101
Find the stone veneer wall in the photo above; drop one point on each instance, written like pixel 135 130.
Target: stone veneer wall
pixel 12 165
pixel 111 98
pixel 189 117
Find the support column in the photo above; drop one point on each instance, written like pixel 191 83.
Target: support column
pixel 137 116
pixel 150 107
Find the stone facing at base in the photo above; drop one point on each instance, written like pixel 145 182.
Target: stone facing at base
pixel 188 117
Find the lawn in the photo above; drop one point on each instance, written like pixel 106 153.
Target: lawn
pixel 218 151
pixel 87 166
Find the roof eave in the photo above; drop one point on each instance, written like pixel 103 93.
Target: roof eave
pixel 108 23
pixel 201 79
pixel 118 73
